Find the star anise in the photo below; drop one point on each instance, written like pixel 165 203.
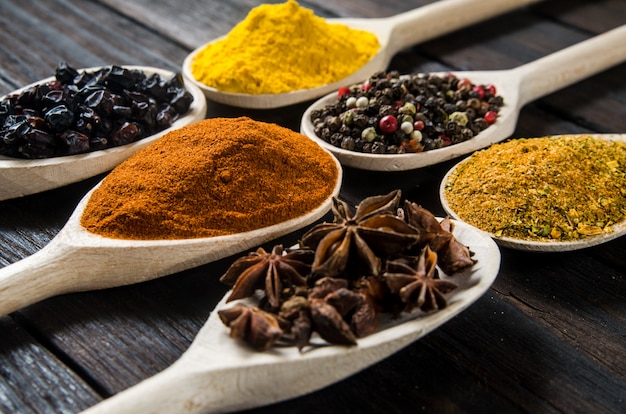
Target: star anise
pixel 298 330
pixel 335 286
pixel 452 255
pixel 356 243
pixel 364 320
pixel 337 313
pixel 377 298
pixel 353 314
pixel 419 285
pixel 263 270
pixel 329 323
pixel 256 327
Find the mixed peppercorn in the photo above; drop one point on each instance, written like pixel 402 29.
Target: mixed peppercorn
pixel 380 259
pixel 84 111
pixel 393 114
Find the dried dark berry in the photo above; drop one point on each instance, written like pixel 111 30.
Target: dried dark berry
pixel 126 133
pixel 98 143
pixel 120 111
pixel 74 142
pixel 59 118
pixel 155 87
pixel 52 98
pixel 101 101
pixel 40 137
pixel 165 116
pixel 119 79
pixel 88 111
pixel 181 100
pixel 15 132
pixel 82 79
pixel 65 73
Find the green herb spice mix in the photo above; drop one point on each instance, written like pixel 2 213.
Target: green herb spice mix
pixel 551 188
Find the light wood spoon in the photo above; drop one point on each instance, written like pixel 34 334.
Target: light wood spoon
pixel 21 177
pixel 547 245
pixel 517 86
pixel 394 34
pixel 219 374
pixel 77 260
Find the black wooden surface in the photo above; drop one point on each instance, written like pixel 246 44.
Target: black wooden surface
pixel 549 337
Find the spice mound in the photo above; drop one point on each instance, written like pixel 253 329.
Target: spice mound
pixel 281 48
pixel 86 111
pixel 215 177
pixel 550 188
pixel 395 114
pixel 345 275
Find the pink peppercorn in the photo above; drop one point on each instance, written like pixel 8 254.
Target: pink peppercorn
pixel 490 116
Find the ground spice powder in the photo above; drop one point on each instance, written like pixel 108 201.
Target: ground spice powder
pixel 280 48
pixel 550 188
pixel 215 177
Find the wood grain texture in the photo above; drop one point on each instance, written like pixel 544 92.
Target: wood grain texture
pixel 32 379
pixel 548 338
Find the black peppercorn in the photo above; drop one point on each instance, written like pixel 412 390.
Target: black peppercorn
pixel 440 110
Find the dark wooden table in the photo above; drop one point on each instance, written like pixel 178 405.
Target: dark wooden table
pixel 550 335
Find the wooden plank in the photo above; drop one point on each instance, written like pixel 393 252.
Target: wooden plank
pixel 562 316
pixel 84 34
pixel 32 380
pixel 528 363
pixel 596 17
pixel 123 335
pixel 198 23
pixel 578 297
pixel 191 23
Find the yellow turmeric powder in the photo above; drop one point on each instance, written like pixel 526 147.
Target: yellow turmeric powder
pixel 280 48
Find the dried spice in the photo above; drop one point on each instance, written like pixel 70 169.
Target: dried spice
pixel 453 256
pixel 356 242
pixel 269 271
pixel 215 177
pixel 281 48
pixel 549 188
pixel 418 285
pixel 389 267
pixel 85 111
pixel 393 114
pixel 258 328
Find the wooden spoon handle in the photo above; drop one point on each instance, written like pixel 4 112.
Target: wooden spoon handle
pixel 570 65
pixel 69 263
pixel 184 387
pixel 33 279
pixel 436 19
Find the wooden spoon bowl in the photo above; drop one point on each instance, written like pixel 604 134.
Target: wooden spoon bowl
pixel 21 177
pixel 394 34
pixel 517 86
pixel 219 374
pixel 78 260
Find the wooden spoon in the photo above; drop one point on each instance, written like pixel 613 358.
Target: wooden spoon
pixel 21 177
pixel 394 34
pixel 546 245
pixel 517 86
pixel 78 260
pixel 218 374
